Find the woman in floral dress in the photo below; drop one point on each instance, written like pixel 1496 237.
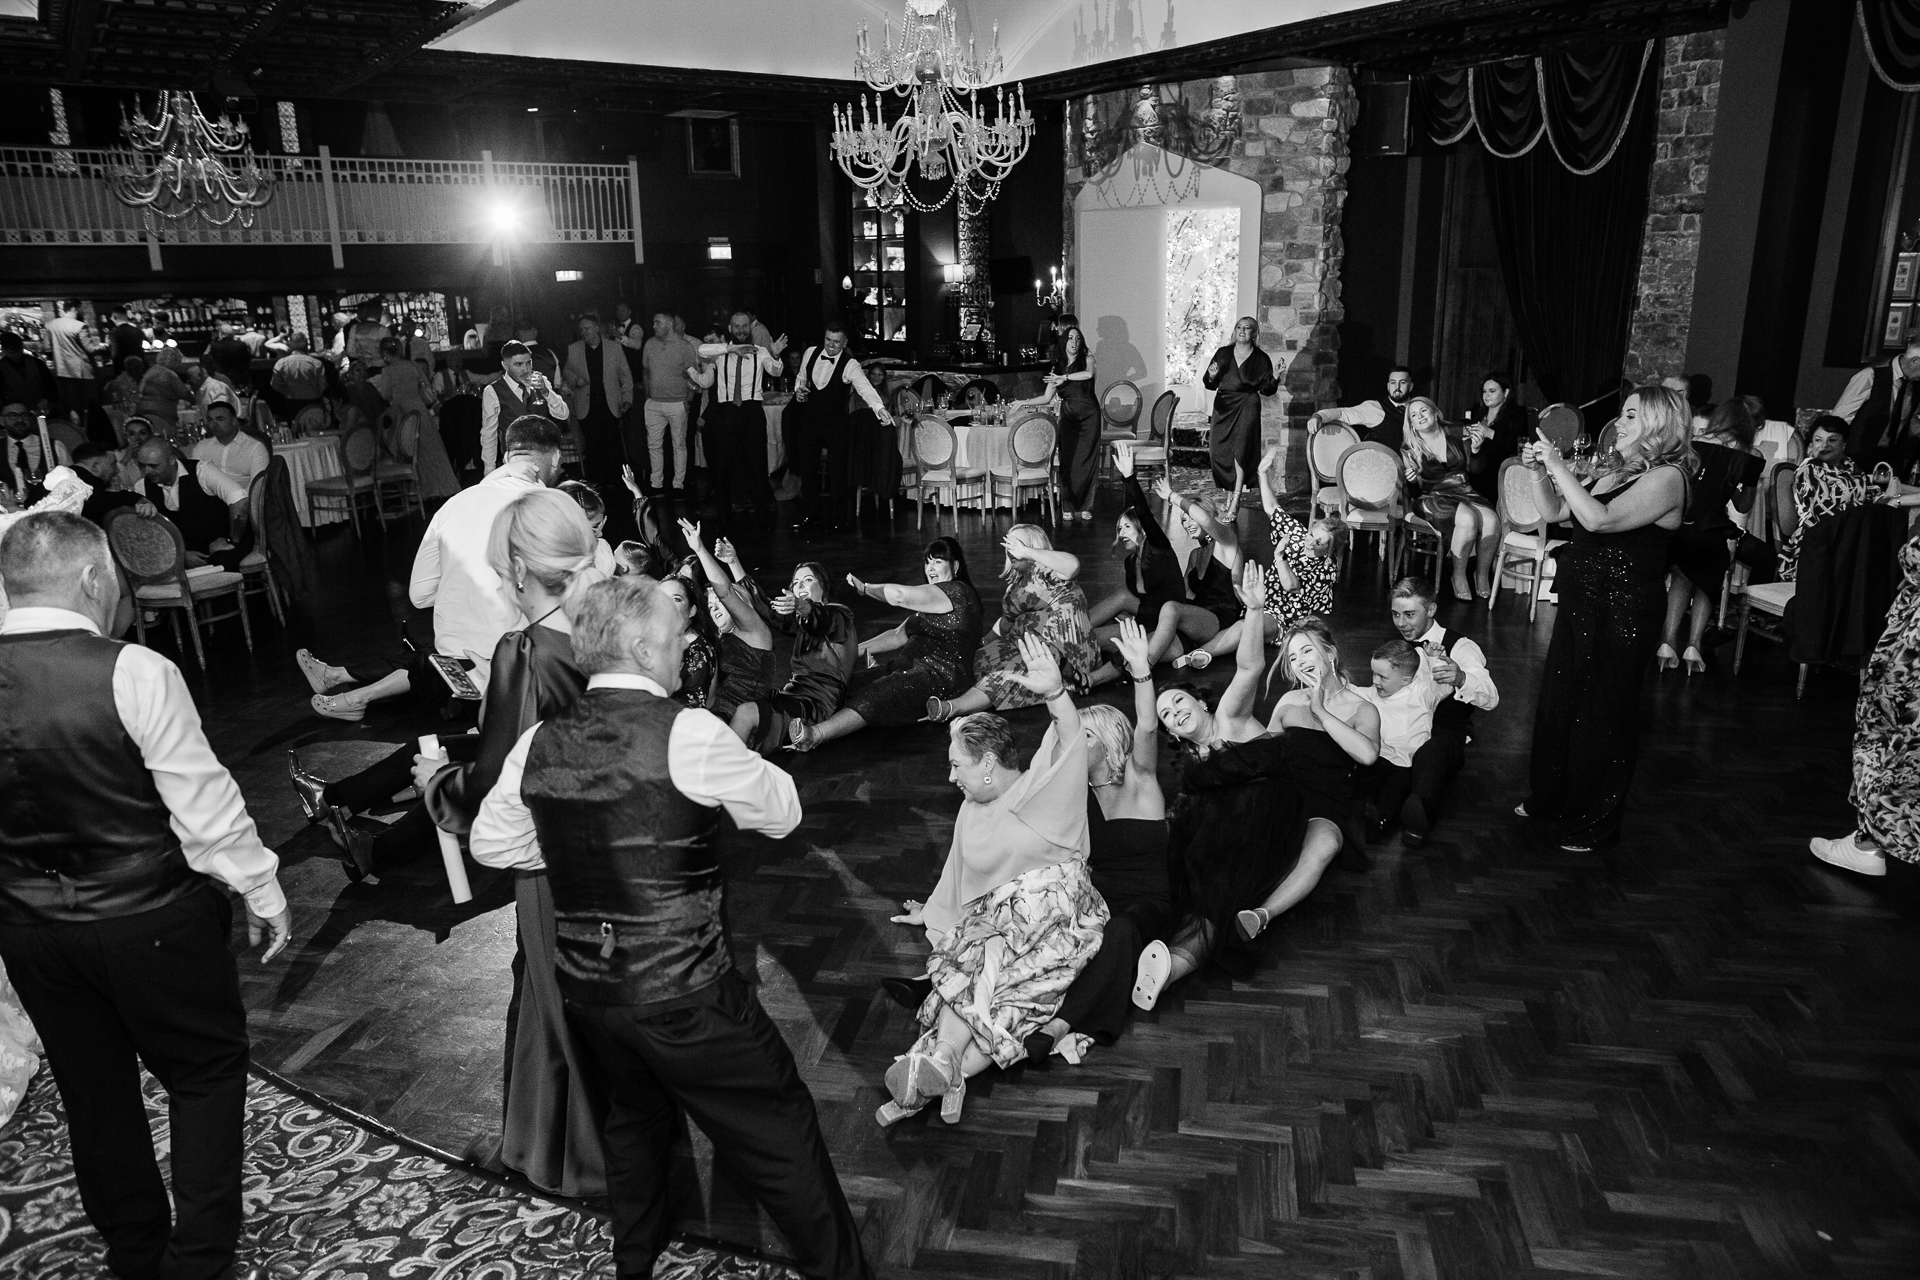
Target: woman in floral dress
pixel 1042 602
pixel 1886 739
pixel 1826 485
pixel 1015 917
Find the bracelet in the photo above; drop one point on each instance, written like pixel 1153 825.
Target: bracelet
pixel 1060 691
pixel 1145 679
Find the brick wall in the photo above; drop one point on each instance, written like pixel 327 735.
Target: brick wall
pixel 1676 197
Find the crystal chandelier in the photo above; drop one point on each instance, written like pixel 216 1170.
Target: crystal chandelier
pixel 179 163
pixel 944 133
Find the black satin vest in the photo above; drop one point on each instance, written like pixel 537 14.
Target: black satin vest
pixel 84 834
pixel 637 889
pixel 1451 713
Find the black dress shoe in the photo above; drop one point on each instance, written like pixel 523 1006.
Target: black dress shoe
pixel 356 854
pixel 1039 1047
pixel 1414 820
pixel 311 790
pixel 908 993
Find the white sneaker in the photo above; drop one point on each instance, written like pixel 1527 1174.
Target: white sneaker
pixel 1848 856
pixel 1156 963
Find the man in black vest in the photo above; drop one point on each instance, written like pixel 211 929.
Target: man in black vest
pixel 1881 403
pixel 207 505
pixel 1453 660
pixel 1383 423
pixel 519 391
pixel 821 416
pixel 116 821
pixel 620 799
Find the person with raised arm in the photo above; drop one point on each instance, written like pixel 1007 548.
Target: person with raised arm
pixel 1042 601
pixel 746 638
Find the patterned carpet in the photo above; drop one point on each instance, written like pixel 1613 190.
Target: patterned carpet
pixel 326 1198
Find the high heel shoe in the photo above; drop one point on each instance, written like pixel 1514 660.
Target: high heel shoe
pixel 1696 664
pixel 311 790
pixel 939 710
pixel 1665 659
pixel 916 1078
pixel 1251 924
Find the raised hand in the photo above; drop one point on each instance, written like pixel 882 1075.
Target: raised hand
pixel 723 552
pixel 779 345
pixel 1253 590
pixel 859 587
pixel 626 478
pixel 1269 459
pixel 691 530
pixel 1042 674
pixel 1016 549
pixel 1123 461
pixel 1132 643
pixel 1163 491
pixel 1547 453
pixel 784 604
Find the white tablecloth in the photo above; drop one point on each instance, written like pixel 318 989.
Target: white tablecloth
pixel 313 458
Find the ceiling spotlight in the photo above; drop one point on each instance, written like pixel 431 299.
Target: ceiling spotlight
pixel 504 218
pixel 533 110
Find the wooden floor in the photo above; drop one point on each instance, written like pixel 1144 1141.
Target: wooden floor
pixel 1693 1055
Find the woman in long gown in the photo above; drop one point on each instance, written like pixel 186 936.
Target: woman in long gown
pixel 1435 459
pixel 1070 384
pixel 407 388
pixel 1015 916
pixel 1613 594
pixel 542 548
pixel 1042 601
pixel 1127 858
pixel 1700 554
pixel 1886 741
pixel 933 649
pixel 1238 375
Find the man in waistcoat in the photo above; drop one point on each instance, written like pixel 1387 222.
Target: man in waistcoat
pixel 518 392
pixel 1449 659
pixel 120 833
pixel 208 505
pixel 734 434
pixel 1881 403
pixel 1380 422
pixel 620 798
pixel 821 417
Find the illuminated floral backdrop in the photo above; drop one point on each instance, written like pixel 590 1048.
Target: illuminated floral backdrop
pixel 1203 274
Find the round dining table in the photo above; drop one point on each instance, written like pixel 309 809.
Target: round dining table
pixel 311 458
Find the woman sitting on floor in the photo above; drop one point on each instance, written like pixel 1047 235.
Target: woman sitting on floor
pixel 1150 578
pixel 1127 859
pixel 825 648
pixel 935 648
pixel 746 639
pixel 1015 916
pixel 1042 602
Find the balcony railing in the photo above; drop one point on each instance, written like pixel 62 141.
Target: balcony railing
pixel 59 196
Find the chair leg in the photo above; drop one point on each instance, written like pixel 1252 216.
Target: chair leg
pixel 179 641
pixel 1800 688
pixel 140 623
pixel 193 624
pixel 1533 588
pixel 273 599
pixel 1740 638
pixel 1499 572
pixel 246 621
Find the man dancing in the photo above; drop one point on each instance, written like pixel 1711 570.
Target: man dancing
pixel 619 798
pixel 820 416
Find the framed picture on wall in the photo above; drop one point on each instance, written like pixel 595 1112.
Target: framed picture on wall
pixel 713 148
pixel 1906 275
pixel 1894 332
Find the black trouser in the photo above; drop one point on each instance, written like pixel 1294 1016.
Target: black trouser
pixel 410 835
pixel 158 988
pixel 725 1063
pixel 736 448
pixel 1387 786
pixel 602 454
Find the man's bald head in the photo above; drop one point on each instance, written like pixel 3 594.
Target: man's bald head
pixel 157 460
pixel 58 560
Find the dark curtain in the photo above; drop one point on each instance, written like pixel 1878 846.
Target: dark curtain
pixel 1892 31
pixel 1570 252
pixel 1578 102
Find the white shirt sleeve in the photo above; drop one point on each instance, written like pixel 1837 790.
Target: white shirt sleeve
pixel 713 350
pixel 503 833
pixel 217 483
pixel 710 766
pixel 424 584
pixel 1859 387
pixel 205 807
pixel 489 427
pixel 556 405
pixel 1368 413
pixel 857 378
pixel 1476 687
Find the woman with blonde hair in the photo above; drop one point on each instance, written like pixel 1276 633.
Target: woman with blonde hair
pixel 1435 458
pixel 1613 597
pixel 1042 601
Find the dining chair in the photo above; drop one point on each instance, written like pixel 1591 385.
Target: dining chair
pixel 1370 497
pixel 1031 438
pixel 1120 407
pixel 936 449
pixel 1324 449
pixel 355 487
pixel 399 475
pixel 312 420
pixel 151 553
pixel 1770 599
pixel 256 567
pixel 1150 455
pixel 1526 544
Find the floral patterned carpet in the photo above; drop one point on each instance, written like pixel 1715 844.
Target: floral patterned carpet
pixel 326 1199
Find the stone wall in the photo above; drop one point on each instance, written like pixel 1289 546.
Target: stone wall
pixel 1676 198
pixel 1288 131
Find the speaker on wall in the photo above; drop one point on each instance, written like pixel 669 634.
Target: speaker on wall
pixel 1384 123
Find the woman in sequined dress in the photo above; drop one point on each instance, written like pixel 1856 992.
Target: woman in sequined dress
pixel 1613 595
pixel 931 652
pixel 1042 600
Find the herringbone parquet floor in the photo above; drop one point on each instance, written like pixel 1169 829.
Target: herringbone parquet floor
pixel 1692 1055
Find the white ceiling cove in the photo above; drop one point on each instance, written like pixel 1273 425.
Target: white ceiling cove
pixel 814 38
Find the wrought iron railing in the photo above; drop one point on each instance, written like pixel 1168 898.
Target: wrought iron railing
pixel 59 196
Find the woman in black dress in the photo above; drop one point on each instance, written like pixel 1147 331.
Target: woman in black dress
pixel 825 648
pixel 1127 842
pixel 1612 585
pixel 1238 375
pixel 1070 382
pixel 1701 551
pixel 933 648
pixel 1436 460
pixel 1508 424
pixel 745 646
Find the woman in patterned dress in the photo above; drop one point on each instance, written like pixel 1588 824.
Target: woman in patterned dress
pixel 1015 916
pixel 1826 485
pixel 1886 739
pixel 1043 602
pixel 934 649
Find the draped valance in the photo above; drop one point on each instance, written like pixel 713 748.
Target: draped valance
pixel 1891 30
pixel 1580 101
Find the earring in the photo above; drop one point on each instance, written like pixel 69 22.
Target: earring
pixel 519 584
pixel 986 779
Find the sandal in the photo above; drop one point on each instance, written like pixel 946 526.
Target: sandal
pixel 800 736
pixel 915 1079
pixel 939 710
pixel 316 671
pixel 1251 924
pixel 336 707
pixel 1198 660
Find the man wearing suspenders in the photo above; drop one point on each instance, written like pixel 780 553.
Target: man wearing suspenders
pixel 820 417
pixel 1450 659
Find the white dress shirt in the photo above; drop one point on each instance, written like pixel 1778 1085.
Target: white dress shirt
pixel 855 377
pixel 213 482
pixel 1860 386
pixel 241 458
pixel 735 377
pixel 705 761
pixel 490 424
pixel 471 610
pixel 1406 715
pixel 1368 413
pixel 207 811
pixel 1476 682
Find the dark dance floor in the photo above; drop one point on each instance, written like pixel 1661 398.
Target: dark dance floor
pixel 1694 1055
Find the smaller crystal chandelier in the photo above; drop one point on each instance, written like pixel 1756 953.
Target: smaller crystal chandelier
pixel 944 133
pixel 179 163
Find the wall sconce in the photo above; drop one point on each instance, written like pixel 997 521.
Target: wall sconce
pixel 718 249
pixel 1054 298
pixel 846 282
pixel 953 273
pixel 564 277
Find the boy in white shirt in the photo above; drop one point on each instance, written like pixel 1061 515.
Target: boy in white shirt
pixel 1405 696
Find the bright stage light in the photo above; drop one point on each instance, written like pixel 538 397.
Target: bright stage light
pixel 504 218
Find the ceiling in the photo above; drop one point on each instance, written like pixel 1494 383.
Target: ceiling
pixel 784 58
